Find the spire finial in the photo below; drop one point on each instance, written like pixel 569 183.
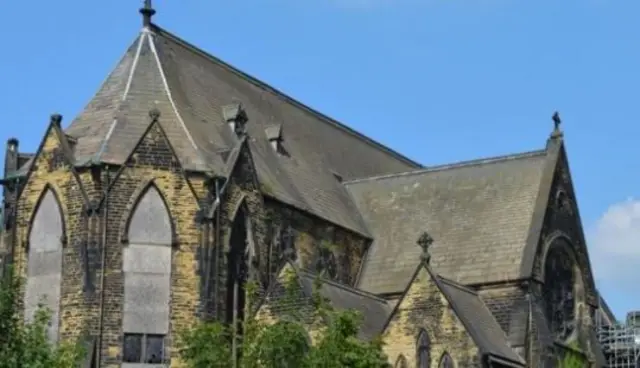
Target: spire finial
pixel 424 242
pixel 147 12
pixel 556 125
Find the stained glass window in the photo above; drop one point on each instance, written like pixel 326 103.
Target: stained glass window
pixel 559 294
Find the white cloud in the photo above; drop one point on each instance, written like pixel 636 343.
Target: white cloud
pixel 614 244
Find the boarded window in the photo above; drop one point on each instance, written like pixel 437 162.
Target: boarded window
pixel 45 261
pixel 147 267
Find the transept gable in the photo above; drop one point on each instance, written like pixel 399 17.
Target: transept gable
pixel 449 313
pixel 557 217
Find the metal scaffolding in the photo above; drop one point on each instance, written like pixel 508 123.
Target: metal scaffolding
pixel 620 342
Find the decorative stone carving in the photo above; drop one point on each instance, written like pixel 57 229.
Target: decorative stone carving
pixel 563 203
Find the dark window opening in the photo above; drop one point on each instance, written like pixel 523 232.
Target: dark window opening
pixel 424 350
pixel 237 269
pixel 143 348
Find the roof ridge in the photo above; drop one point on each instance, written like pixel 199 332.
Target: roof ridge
pixel 134 65
pixel 455 165
pixel 263 85
pixel 167 90
pixel 357 291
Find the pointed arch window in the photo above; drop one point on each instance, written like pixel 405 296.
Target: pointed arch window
pixel 243 261
pixel 147 279
pixel 446 361
pixel 44 260
pixel 401 362
pixel 423 349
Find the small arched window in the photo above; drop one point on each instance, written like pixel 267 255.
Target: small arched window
pixel 423 350
pixel 401 362
pixel 446 361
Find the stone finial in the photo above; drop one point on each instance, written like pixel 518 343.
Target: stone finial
pixel 424 242
pixel 56 119
pixel 556 125
pixel 154 114
pixel 147 12
pixel 13 144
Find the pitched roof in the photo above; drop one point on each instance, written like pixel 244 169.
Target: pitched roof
pixel 374 311
pixel 190 88
pixel 478 212
pixel 474 315
pixel 478 320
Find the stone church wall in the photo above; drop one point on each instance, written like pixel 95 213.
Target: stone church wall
pixel 424 307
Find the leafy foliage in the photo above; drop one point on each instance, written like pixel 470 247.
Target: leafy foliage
pixel 571 357
pixel 285 343
pixel 25 344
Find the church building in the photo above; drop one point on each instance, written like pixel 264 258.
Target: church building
pixel 183 178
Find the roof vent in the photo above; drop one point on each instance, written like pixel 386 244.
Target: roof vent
pixel 236 117
pixel 274 135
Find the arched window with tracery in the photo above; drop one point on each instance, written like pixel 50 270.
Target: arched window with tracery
pixel 560 293
pixel 146 263
pixel 446 361
pixel 401 362
pixel 423 350
pixel 44 260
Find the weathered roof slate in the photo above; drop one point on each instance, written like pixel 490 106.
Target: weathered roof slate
pixel 478 320
pixel 190 88
pixel 478 212
pixel 374 311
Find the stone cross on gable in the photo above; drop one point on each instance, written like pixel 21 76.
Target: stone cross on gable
pixel 424 242
pixel 556 125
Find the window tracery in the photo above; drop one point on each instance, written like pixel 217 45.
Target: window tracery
pixel 560 291
pixel 327 262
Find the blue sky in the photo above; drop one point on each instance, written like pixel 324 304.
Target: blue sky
pixel 438 80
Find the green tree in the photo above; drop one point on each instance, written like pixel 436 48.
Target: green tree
pixel 285 343
pixel 25 344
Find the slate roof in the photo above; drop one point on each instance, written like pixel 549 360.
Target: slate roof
pixel 190 88
pixel 374 310
pixel 478 212
pixel 478 320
